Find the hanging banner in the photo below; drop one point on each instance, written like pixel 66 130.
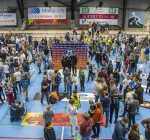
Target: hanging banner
pixel 136 19
pixel 8 17
pixel 47 16
pixel 98 15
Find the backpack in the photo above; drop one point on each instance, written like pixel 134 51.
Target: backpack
pixel 58 79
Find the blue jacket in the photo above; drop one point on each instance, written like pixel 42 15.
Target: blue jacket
pixel 119 132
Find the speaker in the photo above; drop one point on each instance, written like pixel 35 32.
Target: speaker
pixel 100 4
pixel 46 4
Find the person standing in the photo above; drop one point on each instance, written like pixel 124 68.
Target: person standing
pixel 76 99
pixel 132 110
pixel 120 130
pixel 106 101
pixel 86 127
pixel 97 120
pixel 148 84
pixel 18 76
pixel 114 106
pixel 48 115
pixel 73 117
pixel 139 91
pixel 82 81
pixel 25 82
pixel 45 89
pixel 146 124
pixel 134 133
pixel 69 83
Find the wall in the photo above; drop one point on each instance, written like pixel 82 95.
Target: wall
pixel 131 5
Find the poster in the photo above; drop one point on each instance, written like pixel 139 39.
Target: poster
pixel 136 19
pixel 98 15
pixel 47 16
pixel 8 17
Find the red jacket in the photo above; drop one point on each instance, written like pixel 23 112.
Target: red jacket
pixel 97 115
pixel 86 128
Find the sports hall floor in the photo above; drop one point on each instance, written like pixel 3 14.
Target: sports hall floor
pixel 16 130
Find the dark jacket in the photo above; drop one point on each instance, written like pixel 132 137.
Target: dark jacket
pixel 116 77
pixel 139 91
pixel 133 107
pixel 119 132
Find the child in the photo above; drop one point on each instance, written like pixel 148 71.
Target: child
pixel 92 108
pixel 10 96
pixel 75 79
pixel 82 81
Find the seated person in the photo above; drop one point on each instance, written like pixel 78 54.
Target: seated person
pixel 16 111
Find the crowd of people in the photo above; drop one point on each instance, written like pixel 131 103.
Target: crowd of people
pixel 115 82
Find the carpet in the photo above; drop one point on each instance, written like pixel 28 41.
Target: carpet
pixel 59 119
pixel 37 96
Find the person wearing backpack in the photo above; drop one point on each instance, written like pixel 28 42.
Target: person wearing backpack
pixel 25 82
pixel 86 127
pixel 58 81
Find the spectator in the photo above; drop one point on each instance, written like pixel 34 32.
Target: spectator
pixel 97 120
pixel 134 133
pixel 48 115
pixel 146 124
pixel 86 127
pixel 120 130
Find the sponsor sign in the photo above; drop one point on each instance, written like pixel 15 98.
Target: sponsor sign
pixel 98 15
pixel 8 17
pixel 47 16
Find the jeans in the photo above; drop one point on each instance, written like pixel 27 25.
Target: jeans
pixel 47 96
pixel 18 83
pixel 112 109
pixel 97 98
pixel 147 135
pixel 106 111
pixel 96 129
pixel 69 90
pixel 85 138
pixel 131 118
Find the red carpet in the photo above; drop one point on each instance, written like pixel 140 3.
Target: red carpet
pixel 34 119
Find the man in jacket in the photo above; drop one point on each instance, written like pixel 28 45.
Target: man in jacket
pixel 133 107
pixel 146 124
pixel 86 127
pixel 25 82
pixel 45 89
pixel 120 130
pixel 139 91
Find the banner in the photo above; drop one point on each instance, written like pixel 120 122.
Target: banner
pixel 59 50
pixel 47 16
pixel 8 17
pixel 136 19
pixel 98 15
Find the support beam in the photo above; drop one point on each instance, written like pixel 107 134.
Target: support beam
pixel 20 4
pixel 72 10
pixel 63 3
pixel 77 5
pixel 124 13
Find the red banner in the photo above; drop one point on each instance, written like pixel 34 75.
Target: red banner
pixel 98 16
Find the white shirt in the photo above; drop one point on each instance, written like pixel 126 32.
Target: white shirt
pixel 75 79
pixel 6 68
pixel 49 73
pixel 129 97
pixel 22 57
pixel 17 75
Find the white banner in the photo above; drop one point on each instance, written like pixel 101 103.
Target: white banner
pixel 47 13
pixel 8 17
pixel 98 15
